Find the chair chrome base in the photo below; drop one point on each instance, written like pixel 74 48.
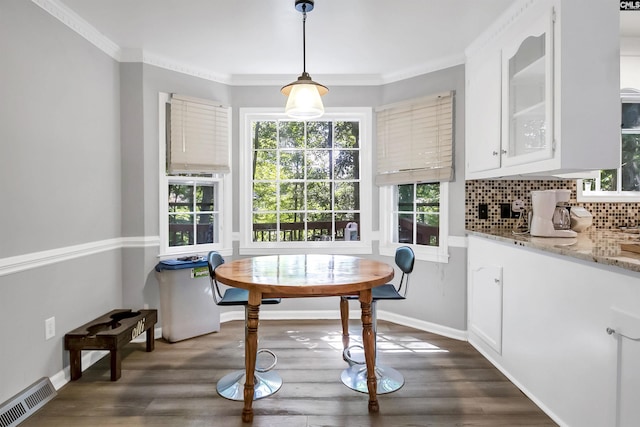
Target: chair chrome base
pixel 231 386
pixel 389 380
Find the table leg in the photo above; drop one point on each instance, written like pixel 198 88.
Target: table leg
pixel 368 339
pixel 344 316
pixel 250 351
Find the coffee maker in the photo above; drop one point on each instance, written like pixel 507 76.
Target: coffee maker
pixel 544 205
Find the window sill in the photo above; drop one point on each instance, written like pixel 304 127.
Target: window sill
pixel 331 248
pixel 191 251
pixel 422 253
pixel 604 197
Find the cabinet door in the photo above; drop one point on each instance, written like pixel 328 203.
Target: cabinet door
pixel 485 305
pixel 483 105
pixel 527 94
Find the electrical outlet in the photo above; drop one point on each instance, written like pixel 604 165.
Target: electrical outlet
pixel 483 211
pixel 517 205
pixel 505 210
pixel 49 328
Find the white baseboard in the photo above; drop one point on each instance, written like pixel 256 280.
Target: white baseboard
pixel 88 358
pixel 422 325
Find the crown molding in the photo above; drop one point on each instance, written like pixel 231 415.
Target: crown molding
pixel 149 58
pixel 326 79
pixel 429 67
pixel 499 26
pixel 80 26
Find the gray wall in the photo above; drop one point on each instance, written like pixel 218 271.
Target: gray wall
pixel 438 291
pixel 79 165
pixel 141 85
pixel 60 175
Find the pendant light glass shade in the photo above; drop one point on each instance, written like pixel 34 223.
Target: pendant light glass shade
pixel 304 98
pixel 304 94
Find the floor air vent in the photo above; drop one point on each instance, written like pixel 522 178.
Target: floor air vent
pixel 25 403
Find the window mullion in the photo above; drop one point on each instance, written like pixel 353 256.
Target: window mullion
pixel 194 221
pixel 415 213
pixel 305 183
pixel 278 181
pixel 619 178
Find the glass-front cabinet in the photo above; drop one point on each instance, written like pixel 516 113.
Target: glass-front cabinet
pixel 527 95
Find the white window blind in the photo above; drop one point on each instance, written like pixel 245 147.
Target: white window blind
pixel 199 136
pixel 415 140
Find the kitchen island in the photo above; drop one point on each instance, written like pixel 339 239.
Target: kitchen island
pixel 540 310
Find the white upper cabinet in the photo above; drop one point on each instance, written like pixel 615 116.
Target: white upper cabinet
pixel 542 88
pixel 527 95
pixel 483 89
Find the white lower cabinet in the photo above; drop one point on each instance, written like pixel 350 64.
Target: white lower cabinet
pixel 553 340
pixel 485 304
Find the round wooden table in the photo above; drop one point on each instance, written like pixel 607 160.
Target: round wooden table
pixel 299 276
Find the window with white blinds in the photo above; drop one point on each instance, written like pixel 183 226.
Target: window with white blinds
pixel 199 136
pixel 415 140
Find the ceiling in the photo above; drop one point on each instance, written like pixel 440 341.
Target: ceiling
pixel 372 41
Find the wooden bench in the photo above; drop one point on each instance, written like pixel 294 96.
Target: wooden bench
pixel 111 331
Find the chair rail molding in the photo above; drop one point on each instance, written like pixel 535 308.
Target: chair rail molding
pixel 16 264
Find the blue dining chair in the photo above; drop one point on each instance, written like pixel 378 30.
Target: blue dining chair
pixel 231 386
pixel 388 379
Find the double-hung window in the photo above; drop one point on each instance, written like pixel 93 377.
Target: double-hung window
pixel 305 185
pixel 415 163
pixel 621 184
pixel 195 183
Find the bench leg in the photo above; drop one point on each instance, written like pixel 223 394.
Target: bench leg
pixel 150 339
pixel 75 364
pixel 115 365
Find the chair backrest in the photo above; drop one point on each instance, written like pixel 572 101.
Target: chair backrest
pixel 405 259
pixel 214 259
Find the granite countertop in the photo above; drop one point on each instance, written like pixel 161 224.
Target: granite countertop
pixel 595 245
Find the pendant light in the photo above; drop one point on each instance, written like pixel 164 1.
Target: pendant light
pixel 304 94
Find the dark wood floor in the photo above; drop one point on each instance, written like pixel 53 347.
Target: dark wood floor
pixel 448 383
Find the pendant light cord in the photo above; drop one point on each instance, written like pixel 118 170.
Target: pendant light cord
pixel 304 39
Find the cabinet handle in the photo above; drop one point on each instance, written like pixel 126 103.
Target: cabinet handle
pixel 496 280
pixel 503 151
pixel 495 153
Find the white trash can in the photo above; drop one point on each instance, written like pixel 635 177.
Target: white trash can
pixel 187 308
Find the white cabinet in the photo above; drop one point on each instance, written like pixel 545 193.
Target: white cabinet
pixel 485 304
pixel 554 342
pixel 527 95
pixel 542 91
pixel 483 88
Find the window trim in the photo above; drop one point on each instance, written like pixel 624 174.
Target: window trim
pixel 627 96
pixel 224 190
pixel 605 196
pixel 362 246
pixel 387 247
